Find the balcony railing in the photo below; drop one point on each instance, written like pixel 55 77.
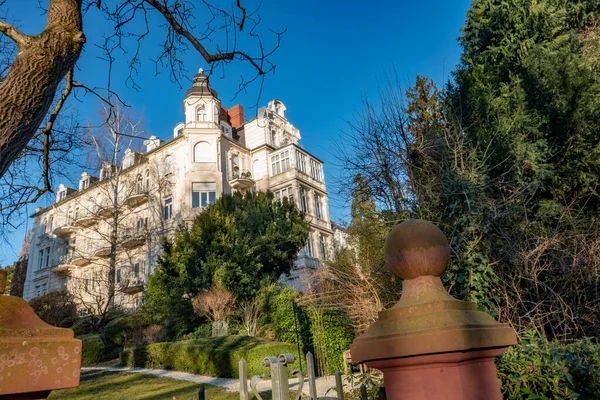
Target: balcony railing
pixel 133 285
pixel 241 179
pixel 132 238
pixel 136 198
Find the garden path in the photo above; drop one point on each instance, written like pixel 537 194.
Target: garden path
pixel 325 385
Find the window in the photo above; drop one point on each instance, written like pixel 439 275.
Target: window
pixel 140 184
pixel 318 212
pixel 136 270
pixel 235 166
pixel 323 246
pixel 273 137
pixel 147 180
pixel 47 257
pixel 50 222
pixel 118 275
pixel 283 193
pixel 280 162
pixel 302 194
pixel 203 152
pixel 307 250
pixel 201 113
pixel 62 195
pixel 316 170
pixel 85 184
pixel 69 216
pixel 168 165
pixel 41 262
pixel 168 209
pixel 203 194
pixel 257 170
pixel 44 225
pixel 301 159
pixel 139 225
pixel 105 174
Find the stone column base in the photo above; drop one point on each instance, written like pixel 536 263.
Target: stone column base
pixel 469 375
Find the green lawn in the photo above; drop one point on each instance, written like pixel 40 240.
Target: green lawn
pixel 106 385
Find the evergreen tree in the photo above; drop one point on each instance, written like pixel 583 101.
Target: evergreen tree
pixel 236 243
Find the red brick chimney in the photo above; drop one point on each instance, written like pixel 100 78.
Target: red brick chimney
pixel 236 115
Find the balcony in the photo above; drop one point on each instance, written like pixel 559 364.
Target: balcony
pixel 105 211
pixel 102 252
pixel 241 181
pixel 80 260
pixel 133 286
pixel 86 220
pixel 65 230
pixel 132 239
pixel 136 199
pixel 65 265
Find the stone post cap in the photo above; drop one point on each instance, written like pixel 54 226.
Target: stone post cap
pixel 34 356
pixel 426 319
pixel 416 248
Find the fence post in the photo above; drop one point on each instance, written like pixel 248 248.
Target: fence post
pixel 202 393
pixel 243 379
pixel 431 345
pixel 363 392
pixel 339 387
pixel 312 384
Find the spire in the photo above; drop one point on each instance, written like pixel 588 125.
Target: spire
pixel 200 86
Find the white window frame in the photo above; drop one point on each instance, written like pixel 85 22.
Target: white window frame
pixel 303 199
pixel 201 114
pixel 318 206
pixel 208 190
pixel 280 162
pixel 168 208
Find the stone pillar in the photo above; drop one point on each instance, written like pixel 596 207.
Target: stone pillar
pixel 431 345
pixel 35 357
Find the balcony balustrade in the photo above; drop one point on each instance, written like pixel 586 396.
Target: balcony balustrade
pixel 136 198
pixel 132 238
pixel 133 285
pixel 241 180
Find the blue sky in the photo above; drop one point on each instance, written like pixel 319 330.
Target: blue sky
pixel 333 53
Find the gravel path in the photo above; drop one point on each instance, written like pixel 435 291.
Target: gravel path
pixel 325 385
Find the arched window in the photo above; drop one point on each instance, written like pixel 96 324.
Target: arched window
pixel 256 170
pixel 203 152
pixel 140 184
pixel 168 165
pixel 147 180
pixel 235 166
pixel 201 113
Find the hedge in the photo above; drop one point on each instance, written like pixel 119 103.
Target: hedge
pixel 92 349
pixel 212 356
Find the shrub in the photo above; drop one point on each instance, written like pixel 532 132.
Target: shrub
pixel 92 349
pixel 332 335
pixel 83 327
pixel 539 369
pixel 212 356
pixel 54 307
pixel 204 331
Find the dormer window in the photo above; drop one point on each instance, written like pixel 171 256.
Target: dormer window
pixel 62 195
pixel 201 113
pixel 105 174
pixel 85 184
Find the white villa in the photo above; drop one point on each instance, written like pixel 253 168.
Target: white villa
pixel 213 152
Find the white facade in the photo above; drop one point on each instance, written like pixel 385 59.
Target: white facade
pixel 213 152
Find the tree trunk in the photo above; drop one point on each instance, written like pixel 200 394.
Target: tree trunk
pixel 27 91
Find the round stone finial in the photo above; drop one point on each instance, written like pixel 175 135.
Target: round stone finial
pixel 416 248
